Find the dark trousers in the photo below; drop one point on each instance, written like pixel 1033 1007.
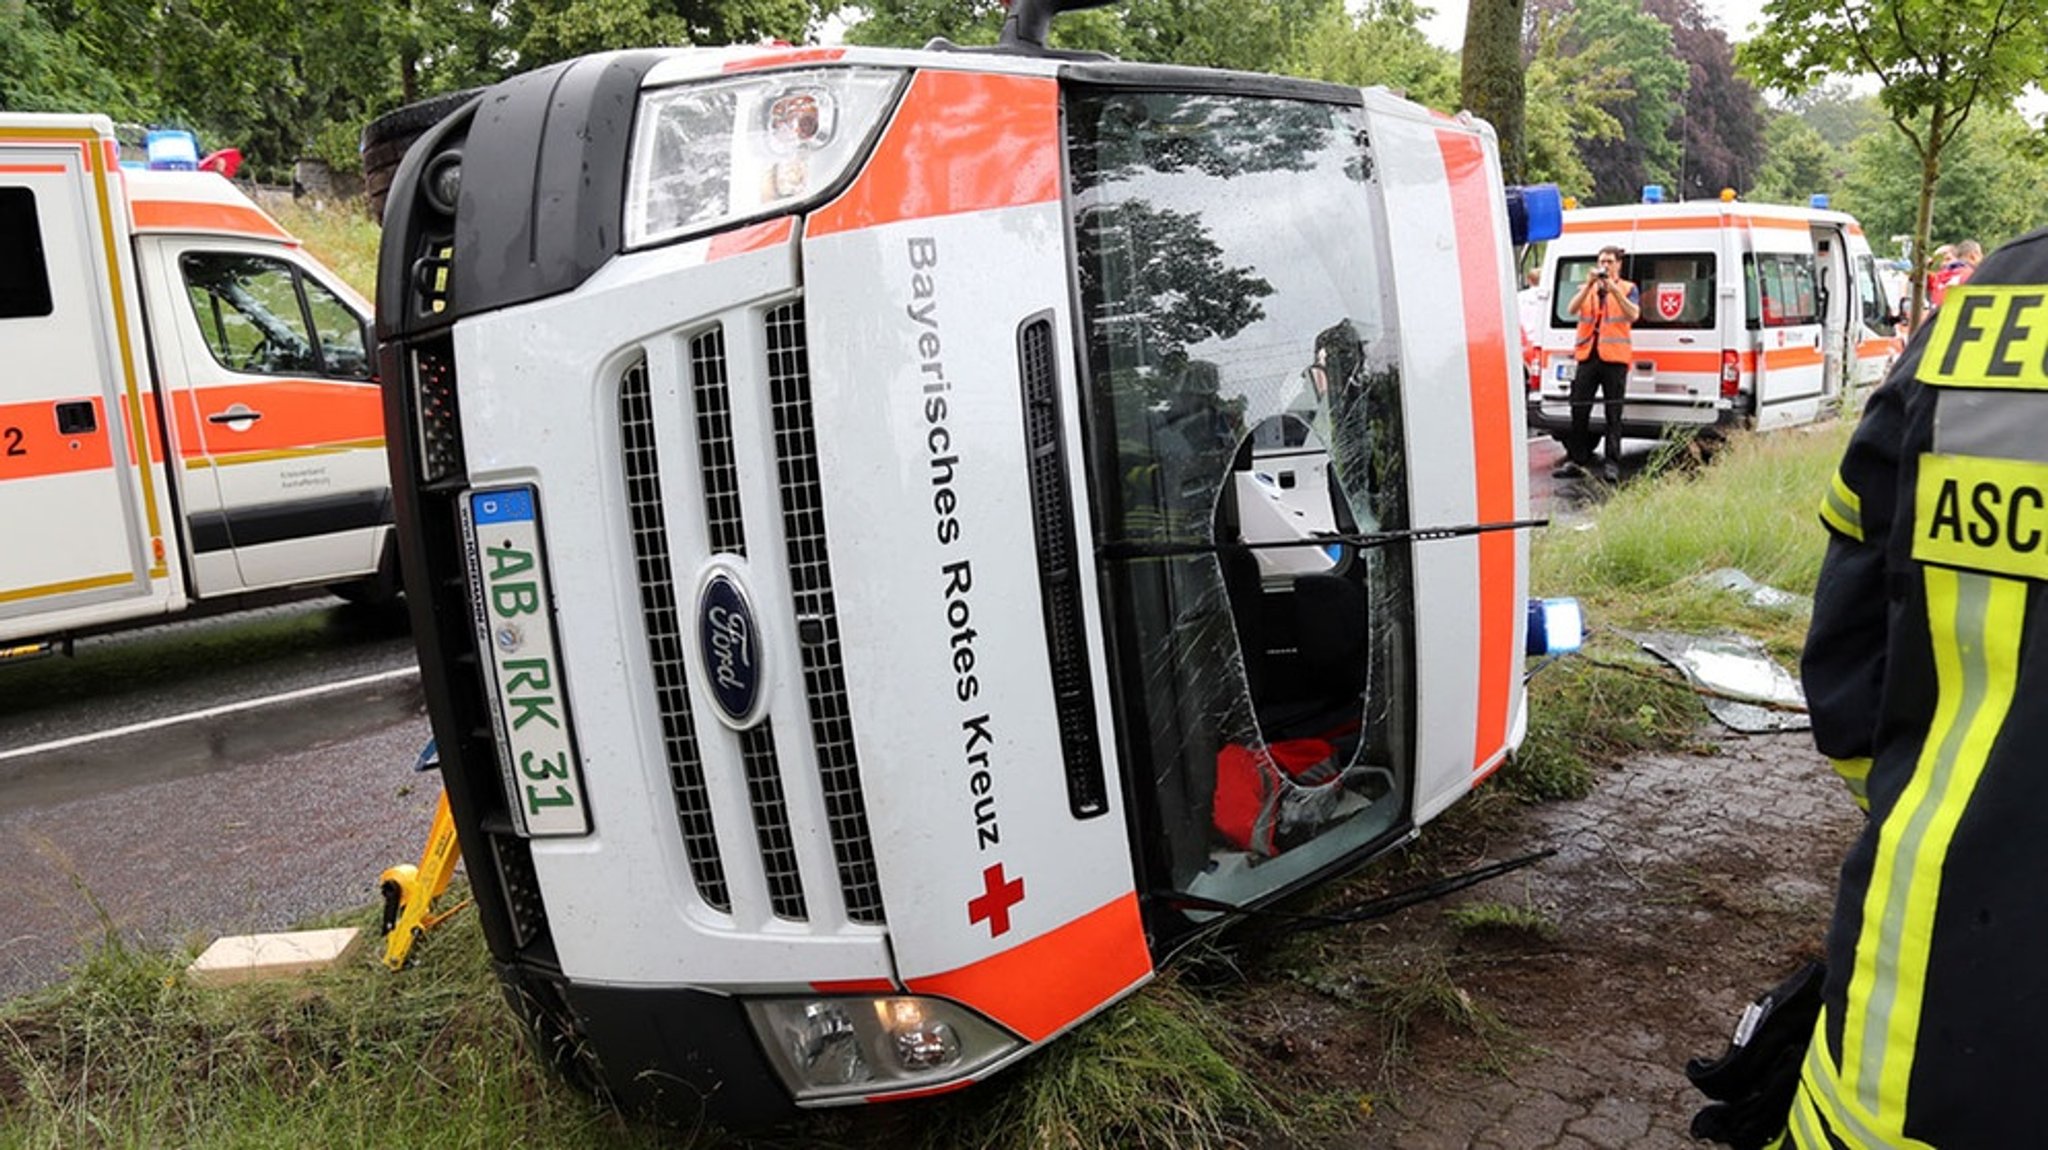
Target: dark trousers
pixel 1596 376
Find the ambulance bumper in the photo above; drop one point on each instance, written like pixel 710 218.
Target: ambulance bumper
pixel 1641 418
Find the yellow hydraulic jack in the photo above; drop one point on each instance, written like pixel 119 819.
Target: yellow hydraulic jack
pixel 410 891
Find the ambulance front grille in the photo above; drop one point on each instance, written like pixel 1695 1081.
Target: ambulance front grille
pixel 665 650
pixel 725 527
pixel 721 473
pixel 810 574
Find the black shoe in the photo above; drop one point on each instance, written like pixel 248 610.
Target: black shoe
pixel 1567 470
pixel 1611 471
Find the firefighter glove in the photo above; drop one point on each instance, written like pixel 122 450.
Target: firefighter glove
pixel 1753 1081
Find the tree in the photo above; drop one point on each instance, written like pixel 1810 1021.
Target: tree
pixel 1721 123
pixel 1989 191
pixel 1640 49
pixel 1938 61
pixel 43 70
pixel 1569 100
pixel 1797 163
pixel 1383 44
pixel 1491 79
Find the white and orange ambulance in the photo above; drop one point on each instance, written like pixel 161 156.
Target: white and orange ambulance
pixel 187 411
pixel 1753 315
pixel 901 541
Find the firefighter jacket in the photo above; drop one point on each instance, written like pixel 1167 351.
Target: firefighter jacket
pixel 1926 671
pixel 1603 328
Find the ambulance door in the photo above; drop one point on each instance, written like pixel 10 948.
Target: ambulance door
pixel 1783 289
pixel 1877 333
pixel 1838 308
pixel 272 382
pixel 81 537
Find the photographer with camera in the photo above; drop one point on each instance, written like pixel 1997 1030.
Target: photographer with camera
pixel 1606 305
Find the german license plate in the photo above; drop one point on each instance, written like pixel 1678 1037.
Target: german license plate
pixel 515 623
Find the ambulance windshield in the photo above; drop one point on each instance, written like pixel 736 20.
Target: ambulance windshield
pixel 1246 410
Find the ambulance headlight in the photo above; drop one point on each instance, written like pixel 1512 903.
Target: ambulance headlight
pixel 1556 627
pixel 707 155
pixel 826 1048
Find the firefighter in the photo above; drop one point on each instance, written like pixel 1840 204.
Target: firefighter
pixel 1924 667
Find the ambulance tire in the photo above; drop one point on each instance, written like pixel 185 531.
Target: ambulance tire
pixel 386 138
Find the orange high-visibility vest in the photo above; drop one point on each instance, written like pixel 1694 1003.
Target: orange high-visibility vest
pixel 1613 341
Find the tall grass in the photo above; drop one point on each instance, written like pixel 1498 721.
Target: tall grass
pixel 339 233
pixel 1637 565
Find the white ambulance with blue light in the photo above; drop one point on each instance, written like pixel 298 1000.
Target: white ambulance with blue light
pixel 1753 315
pixel 901 542
pixel 188 413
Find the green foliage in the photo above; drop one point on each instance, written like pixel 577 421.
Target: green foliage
pixel 1937 61
pixel 1571 100
pixel 42 70
pixel 1381 44
pixel 1989 188
pixel 1800 164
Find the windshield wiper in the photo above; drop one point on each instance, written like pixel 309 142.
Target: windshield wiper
pixel 1363 540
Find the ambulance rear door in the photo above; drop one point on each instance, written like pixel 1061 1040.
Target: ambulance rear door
pixel 1781 285
pixel 1674 372
pixel 81 514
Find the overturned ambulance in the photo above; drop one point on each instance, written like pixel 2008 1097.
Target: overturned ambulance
pixel 902 541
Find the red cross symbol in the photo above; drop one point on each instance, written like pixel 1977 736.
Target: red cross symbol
pixel 993 904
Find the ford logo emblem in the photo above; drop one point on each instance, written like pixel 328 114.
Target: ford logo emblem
pixel 732 648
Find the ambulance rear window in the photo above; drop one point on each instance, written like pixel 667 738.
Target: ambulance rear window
pixel 24 276
pixel 1675 289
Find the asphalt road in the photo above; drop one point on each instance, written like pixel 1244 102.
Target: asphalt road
pixel 237 774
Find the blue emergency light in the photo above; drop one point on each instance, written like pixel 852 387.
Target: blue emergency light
pixel 171 150
pixel 1653 193
pixel 1819 200
pixel 1535 213
pixel 1556 627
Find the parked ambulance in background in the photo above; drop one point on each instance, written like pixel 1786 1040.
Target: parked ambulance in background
pixel 1753 315
pixel 187 409
pixel 900 542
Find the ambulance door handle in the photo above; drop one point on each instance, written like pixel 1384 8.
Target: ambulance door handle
pixel 1687 339
pixel 236 414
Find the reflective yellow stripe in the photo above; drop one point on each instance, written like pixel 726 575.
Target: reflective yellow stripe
pixel 1982 514
pixel 1989 336
pixel 69 586
pixel 1819 1111
pixel 1842 509
pixel 1856 776
pixel 1974 623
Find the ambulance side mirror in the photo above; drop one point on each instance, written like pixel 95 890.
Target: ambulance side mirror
pixel 1031 20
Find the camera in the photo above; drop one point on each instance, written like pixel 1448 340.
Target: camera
pixel 1599 273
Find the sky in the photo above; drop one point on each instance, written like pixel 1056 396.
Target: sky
pixel 1447 27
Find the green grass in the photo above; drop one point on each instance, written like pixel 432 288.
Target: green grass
pixel 341 235
pixel 1636 566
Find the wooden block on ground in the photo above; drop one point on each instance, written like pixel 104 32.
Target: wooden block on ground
pixel 247 957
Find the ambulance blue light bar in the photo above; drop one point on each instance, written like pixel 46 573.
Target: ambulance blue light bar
pixel 1556 627
pixel 1535 213
pixel 1653 193
pixel 1819 201
pixel 172 150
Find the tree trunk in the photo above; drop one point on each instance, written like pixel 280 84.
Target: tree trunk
pixel 1923 222
pixel 1491 80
